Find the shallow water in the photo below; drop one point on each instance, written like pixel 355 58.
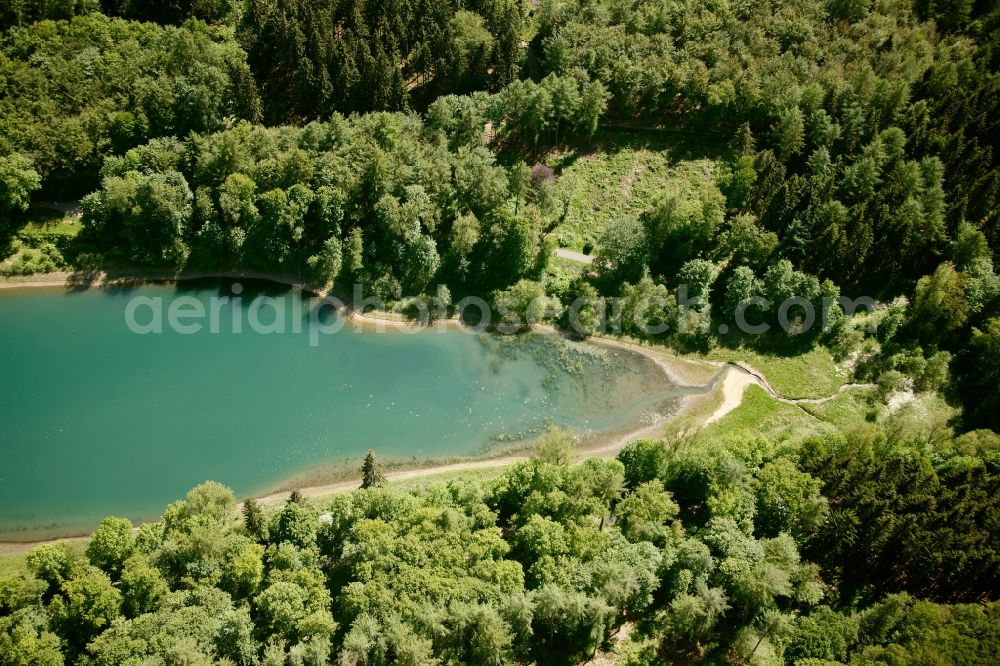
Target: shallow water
pixel 96 419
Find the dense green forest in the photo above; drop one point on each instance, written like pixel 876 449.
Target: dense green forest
pixel 735 549
pixel 851 144
pixel 796 150
pixel 77 92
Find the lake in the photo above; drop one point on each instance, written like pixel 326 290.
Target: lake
pixel 97 419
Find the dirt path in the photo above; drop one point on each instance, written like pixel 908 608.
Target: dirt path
pixel 33 281
pixel 737 377
pixel 734 385
pixel 572 255
pixel 69 208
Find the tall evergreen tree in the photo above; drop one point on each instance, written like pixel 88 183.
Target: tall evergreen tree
pixel 254 521
pixel 372 474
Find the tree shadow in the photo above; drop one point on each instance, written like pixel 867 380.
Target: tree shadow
pixel 248 289
pixel 776 344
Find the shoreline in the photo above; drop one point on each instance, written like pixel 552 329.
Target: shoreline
pixel 678 370
pixel 701 377
pixel 427 468
pixel 420 469
pixel 103 279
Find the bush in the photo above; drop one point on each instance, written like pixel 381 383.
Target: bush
pixel 29 261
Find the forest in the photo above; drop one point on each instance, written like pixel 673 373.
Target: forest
pixel 732 549
pixel 811 151
pixel 852 148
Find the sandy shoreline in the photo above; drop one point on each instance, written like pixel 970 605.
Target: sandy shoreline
pixel 604 449
pixel 700 377
pixel 607 450
pixel 103 280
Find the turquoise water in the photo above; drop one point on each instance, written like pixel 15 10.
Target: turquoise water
pixel 96 419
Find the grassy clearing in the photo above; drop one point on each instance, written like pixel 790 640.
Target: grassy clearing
pixel 925 417
pixel 759 413
pixel 39 245
pixel 852 406
pixel 12 564
pixel 810 374
pixel 43 225
pixel 621 174
pixel 560 273
pixel 50 226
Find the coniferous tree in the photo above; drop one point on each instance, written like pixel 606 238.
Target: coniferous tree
pixel 373 476
pixel 254 521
